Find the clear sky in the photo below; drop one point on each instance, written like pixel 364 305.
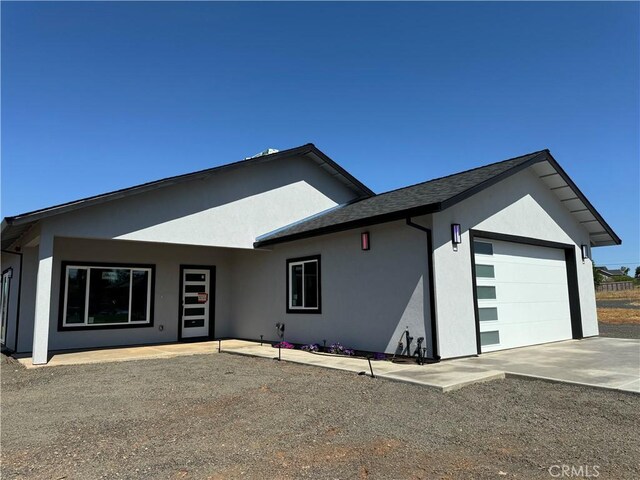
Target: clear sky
pixel 100 96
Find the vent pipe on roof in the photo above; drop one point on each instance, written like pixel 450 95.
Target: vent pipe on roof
pixel 268 151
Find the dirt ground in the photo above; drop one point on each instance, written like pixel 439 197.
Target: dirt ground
pixel 619 313
pixel 225 416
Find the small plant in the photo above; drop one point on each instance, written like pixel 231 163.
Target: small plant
pixel 338 349
pixel 284 344
pixel 379 356
pixel 312 347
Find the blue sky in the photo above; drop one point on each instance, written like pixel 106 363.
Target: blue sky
pixel 100 96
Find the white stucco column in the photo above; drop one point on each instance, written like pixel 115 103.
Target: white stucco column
pixel 43 301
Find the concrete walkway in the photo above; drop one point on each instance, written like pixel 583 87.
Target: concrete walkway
pixel 122 354
pixel 444 376
pixel 609 363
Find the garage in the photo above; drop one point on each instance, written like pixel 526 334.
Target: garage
pixel 522 294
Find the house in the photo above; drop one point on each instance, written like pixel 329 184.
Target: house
pixel 607 275
pixel 491 258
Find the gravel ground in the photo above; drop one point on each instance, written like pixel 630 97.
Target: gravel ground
pixel 619 330
pixel 226 416
pixel 617 304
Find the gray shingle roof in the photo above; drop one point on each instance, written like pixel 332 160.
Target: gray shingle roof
pixel 421 198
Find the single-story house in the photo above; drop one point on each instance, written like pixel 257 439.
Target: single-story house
pixel 609 274
pixel 491 258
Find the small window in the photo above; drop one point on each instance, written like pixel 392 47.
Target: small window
pixel 488 314
pixel 483 248
pixel 489 338
pixel 485 271
pixel 486 293
pixel 303 285
pixel 105 295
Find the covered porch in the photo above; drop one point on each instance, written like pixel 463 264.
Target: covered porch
pixel 95 293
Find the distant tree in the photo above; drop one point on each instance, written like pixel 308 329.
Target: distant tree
pixel 597 276
pixel 625 270
pixel 638 272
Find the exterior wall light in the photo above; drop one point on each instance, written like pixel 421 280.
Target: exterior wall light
pixel 456 233
pixel 365 244
pixel 585 252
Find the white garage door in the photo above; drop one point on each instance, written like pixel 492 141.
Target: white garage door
pixel 523 297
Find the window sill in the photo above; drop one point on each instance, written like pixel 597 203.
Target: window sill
pixel 67 328
pixel 304 311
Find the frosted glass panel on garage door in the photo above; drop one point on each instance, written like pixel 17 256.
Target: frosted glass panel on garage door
pixel 532 296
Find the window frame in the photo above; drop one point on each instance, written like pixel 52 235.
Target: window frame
pixel 4 303
pixel 288 285
pixel 65 265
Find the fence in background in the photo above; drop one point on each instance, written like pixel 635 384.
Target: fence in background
pixel 614 286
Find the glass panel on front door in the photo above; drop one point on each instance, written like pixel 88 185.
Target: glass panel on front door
pixel 196 284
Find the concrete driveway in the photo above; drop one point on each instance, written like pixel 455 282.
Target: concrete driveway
pixel 612 363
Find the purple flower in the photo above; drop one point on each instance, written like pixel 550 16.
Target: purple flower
pixel 379 356
pixel 338 349
pixel 312 347
pixel 284 344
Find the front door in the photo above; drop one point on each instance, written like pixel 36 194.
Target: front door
pixel 196 302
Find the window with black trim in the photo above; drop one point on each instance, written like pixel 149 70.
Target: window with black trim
pixel 303 285
pixel 96 295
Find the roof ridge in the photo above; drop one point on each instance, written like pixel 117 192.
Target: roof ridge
pixel 459 173
pixel 204 171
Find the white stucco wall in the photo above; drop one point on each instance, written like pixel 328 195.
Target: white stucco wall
pixel 520 205
pixel 27 298
pixel 167 260
pixel 227 209
pixel 368 297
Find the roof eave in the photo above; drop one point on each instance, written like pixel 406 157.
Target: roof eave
pixel 365 222
pixel 614 237
pixel 302 150
pixel 542 156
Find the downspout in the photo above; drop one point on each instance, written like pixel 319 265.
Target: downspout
pixel 432 295
pixel 19 295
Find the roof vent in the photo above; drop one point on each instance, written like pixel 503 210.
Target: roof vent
pixel 268 151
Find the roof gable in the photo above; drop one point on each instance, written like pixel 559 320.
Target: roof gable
pixel 437 195
pixel 14 227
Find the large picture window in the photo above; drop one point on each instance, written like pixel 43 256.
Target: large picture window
pixel 106 295
pixel 303 285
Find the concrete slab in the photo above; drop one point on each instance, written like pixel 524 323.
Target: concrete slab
pixel 123 354
pixel 601 362
pixel 443 376
pixel 609 363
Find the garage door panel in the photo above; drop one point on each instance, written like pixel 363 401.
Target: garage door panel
pixel 521 335
pixel 520 252
pixel 532 269
pixel 530 293
pixel 533 312
pixel 531 303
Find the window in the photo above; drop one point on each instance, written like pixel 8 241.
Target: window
pixel 98 295
pixel 489 338
pixel 489 314
pixel 303 285
pixel 485 271
pixel 4 303
pixel 483 248
pixel 486 293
